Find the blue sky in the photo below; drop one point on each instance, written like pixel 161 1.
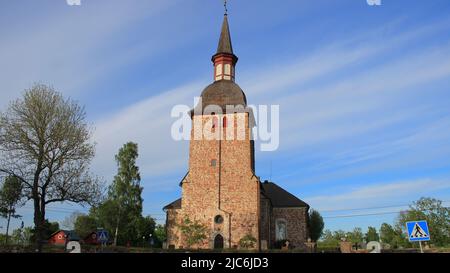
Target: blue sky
pixel 363 90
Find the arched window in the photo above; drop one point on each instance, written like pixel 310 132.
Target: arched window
pixel 215 121
pixel 280 230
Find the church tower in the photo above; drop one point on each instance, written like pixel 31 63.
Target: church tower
pixel 220 189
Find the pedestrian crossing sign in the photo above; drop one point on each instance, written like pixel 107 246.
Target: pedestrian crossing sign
pixel 102 236
pixel 418 231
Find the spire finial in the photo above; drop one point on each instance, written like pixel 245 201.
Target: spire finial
pixel 225 6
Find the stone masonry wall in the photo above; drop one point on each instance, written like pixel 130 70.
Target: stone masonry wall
pixel 220 184
pixel 297 224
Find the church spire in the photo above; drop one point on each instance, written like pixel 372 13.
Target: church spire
pixel 224 60
pixel 225 38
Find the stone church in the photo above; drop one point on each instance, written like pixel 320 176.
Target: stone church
pixel 221 190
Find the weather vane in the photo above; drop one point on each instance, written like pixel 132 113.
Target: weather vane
pixel 225 6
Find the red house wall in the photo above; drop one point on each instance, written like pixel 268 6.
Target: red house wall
pixel 58 239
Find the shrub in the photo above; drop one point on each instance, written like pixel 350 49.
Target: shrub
pixel 248 241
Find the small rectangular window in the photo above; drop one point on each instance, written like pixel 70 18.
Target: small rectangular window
pixel 219 70
pixel 213 162
pixel 227 69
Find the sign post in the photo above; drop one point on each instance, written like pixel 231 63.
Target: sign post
pixel 102 237
pixel 418 231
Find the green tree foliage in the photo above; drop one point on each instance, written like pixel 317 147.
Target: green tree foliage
pixel 125 192
pixel 356 236
pixel 372 235
pixel 22 236
pixel 316 225
pixel 45 143
pixel 105 215
pixel 332 239
pixel 145 227
pixel 248 241
pixel 160 235
pixel 84 225
pixel 393 236
pixel 48 229
pixel 437 216
pixel 121 212
pixel 10 198
pixel 193 232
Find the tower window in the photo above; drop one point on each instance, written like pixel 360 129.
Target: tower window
pixel 213 163
pixel 227 69
pixel 224 122
pixel 215 122
pixel 218 219
pixel 219 71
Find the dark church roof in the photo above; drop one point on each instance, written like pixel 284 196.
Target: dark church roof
pixel 280 198
pixel 174 205
pixel 225 45
pixel 222 93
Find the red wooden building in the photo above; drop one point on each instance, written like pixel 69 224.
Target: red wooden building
pixel 91 239
pixel 61 237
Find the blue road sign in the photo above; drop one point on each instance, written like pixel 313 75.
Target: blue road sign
pixel 102 236
pixel 418 231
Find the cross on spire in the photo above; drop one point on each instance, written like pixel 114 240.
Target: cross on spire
pixel 225 6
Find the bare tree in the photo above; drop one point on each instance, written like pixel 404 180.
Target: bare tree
pixel 45 143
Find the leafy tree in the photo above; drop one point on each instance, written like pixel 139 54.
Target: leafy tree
pixel 332 239
pixel 105 214
pixel 248 241
pixel 316 225
pixel 327 236
pixel 2 238
pixel 84 225
pixel 45 143
pixel 48 229
pixel 146 227
pixel 437 216
pixel 372 235
pixel 22 236
pixel 160 235
pixel 121 212
pixel 194 232
pixel 340 235
pixel 392 236
pixel 356 236
pixel 10 199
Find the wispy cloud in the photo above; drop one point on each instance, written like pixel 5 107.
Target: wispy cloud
pixel 148 123
pixel 377 193
pixel 70 48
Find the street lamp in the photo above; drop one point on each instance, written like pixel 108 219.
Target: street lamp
pixel 143 241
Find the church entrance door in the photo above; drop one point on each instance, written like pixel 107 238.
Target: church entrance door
pixel 218 242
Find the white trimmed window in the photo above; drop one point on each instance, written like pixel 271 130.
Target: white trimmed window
pixel 280 229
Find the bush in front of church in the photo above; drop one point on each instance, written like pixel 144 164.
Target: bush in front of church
pixel 248 241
